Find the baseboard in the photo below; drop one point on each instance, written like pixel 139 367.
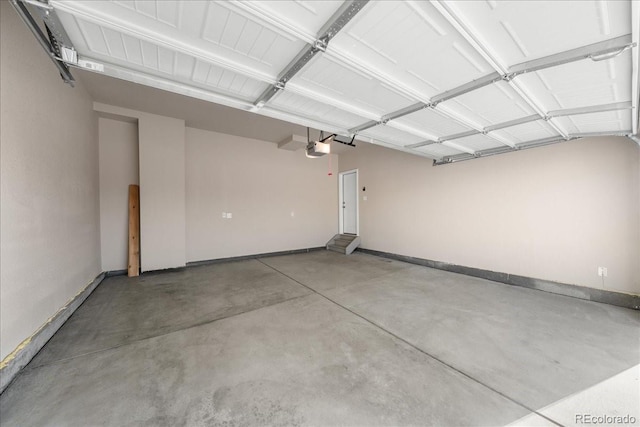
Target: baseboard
pixel 14 362
pixel 217 261
pixel 582 292
pixel 246 257
pixel 112 273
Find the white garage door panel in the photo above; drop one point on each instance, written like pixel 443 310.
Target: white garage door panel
pixel 116 48
pixel 526 132
pixel 402 39
pixel 167 12
pixel 432 122
pixel 609 121
pixel 296 104
pixel 383 59
pixel 583 83
pixel 209 29
pixel 306 17
pixel 489 105
pixel 328 77
pixel 519 31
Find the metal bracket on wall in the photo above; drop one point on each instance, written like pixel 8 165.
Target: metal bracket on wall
pixel 57 36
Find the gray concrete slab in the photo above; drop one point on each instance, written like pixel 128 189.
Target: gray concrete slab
pixel 318 339
pixel 325 270
pixel 302 362
pixel 533 346
pixel 123 309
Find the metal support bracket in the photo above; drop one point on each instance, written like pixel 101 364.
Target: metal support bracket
pixel 54 28
pixel 459 135
pixel 363 126
pixel 516 122
pixel 589 134
pixel 591 109
pixel 421 144
pixel 320 45
pixel 467 87
pixel 405 111
pixel 544 141
pixel 336 23
pixel 613 46
pixel 452 93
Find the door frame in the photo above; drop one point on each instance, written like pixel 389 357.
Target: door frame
pixel 341 198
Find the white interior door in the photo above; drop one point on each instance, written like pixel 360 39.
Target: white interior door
pixel 350 202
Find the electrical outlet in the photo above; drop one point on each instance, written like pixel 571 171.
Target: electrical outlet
pixel 602 271
pixel 229 215
pixel 224 215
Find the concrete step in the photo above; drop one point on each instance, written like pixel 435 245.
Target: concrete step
pixel 343 243
pixel 344 239
pixel 339 249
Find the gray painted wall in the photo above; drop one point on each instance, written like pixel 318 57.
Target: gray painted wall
pixel 279 200
pixel 555 213
pixel 162 192
pixel 118 169
pixel 49 217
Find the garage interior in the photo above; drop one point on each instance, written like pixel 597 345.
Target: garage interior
pixel 350 213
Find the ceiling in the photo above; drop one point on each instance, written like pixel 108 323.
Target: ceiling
pixel 448 80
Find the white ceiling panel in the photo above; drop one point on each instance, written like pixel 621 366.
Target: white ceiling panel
pixel 581 84
pixel 609 121
pixel 489 105
pixel 438 151
pixel 474 143
pixel 432 122
pixel 402 39
pixel 392 136
pixel 332 79
pixel 518 31
pixel 526 132
pixel 317 111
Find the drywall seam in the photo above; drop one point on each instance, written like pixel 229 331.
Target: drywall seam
pixel 581 292
pixel 15 361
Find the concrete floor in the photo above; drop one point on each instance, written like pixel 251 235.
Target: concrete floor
pixel 327 339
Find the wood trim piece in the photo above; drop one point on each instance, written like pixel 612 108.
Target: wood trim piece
pixel 134 231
